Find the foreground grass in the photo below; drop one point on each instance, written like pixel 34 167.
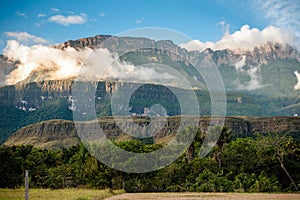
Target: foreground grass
pixel 60 194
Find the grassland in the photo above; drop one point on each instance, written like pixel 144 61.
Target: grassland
pixel 61 194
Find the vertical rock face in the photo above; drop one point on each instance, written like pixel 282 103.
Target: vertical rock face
pixel 56 85
pixel 274 124
pixel 34 95
pixel 91 42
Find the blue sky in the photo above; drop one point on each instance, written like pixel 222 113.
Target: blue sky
pixel 57 21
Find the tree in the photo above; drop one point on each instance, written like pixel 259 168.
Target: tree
pixel 240 156
pixel 275 147
pixel 11 170
pixel 186 136
pixel 224 138
pixel 77 162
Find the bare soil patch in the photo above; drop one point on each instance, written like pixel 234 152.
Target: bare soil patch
pixel 204 196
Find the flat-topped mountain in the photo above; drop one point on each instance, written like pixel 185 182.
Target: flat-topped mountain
pixel 55 134
pixel 52 134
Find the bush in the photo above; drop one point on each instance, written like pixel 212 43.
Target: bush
pixel 213 182
pixel 244 181
pixel 265 184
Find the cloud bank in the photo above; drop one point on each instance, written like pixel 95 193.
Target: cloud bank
pixel 55 64
pixel 245 39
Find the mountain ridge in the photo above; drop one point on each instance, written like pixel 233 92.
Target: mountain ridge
pixel 238 69
pixel 260 54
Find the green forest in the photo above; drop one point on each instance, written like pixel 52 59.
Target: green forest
pixel 262 163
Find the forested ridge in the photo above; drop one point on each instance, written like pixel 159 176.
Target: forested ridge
pixel 263 163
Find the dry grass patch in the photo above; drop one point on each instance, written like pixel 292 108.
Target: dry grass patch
pixel 60 194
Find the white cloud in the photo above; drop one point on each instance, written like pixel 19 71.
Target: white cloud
pixel 255 80
pixel 297 86
pixel 225 26
pixel 55 64
pixel 21 14
pixel 139 21
pixel 38 24
pixel 41 15
pixel 245 39
pixel 283 14
pixel 55 9
pixel 26 37
pixel 69 20
pixel 102 14
pixel 240 64
pixel 221 23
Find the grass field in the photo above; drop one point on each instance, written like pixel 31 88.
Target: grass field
pixel 61 194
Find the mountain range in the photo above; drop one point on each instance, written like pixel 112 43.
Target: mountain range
pixel 262 82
